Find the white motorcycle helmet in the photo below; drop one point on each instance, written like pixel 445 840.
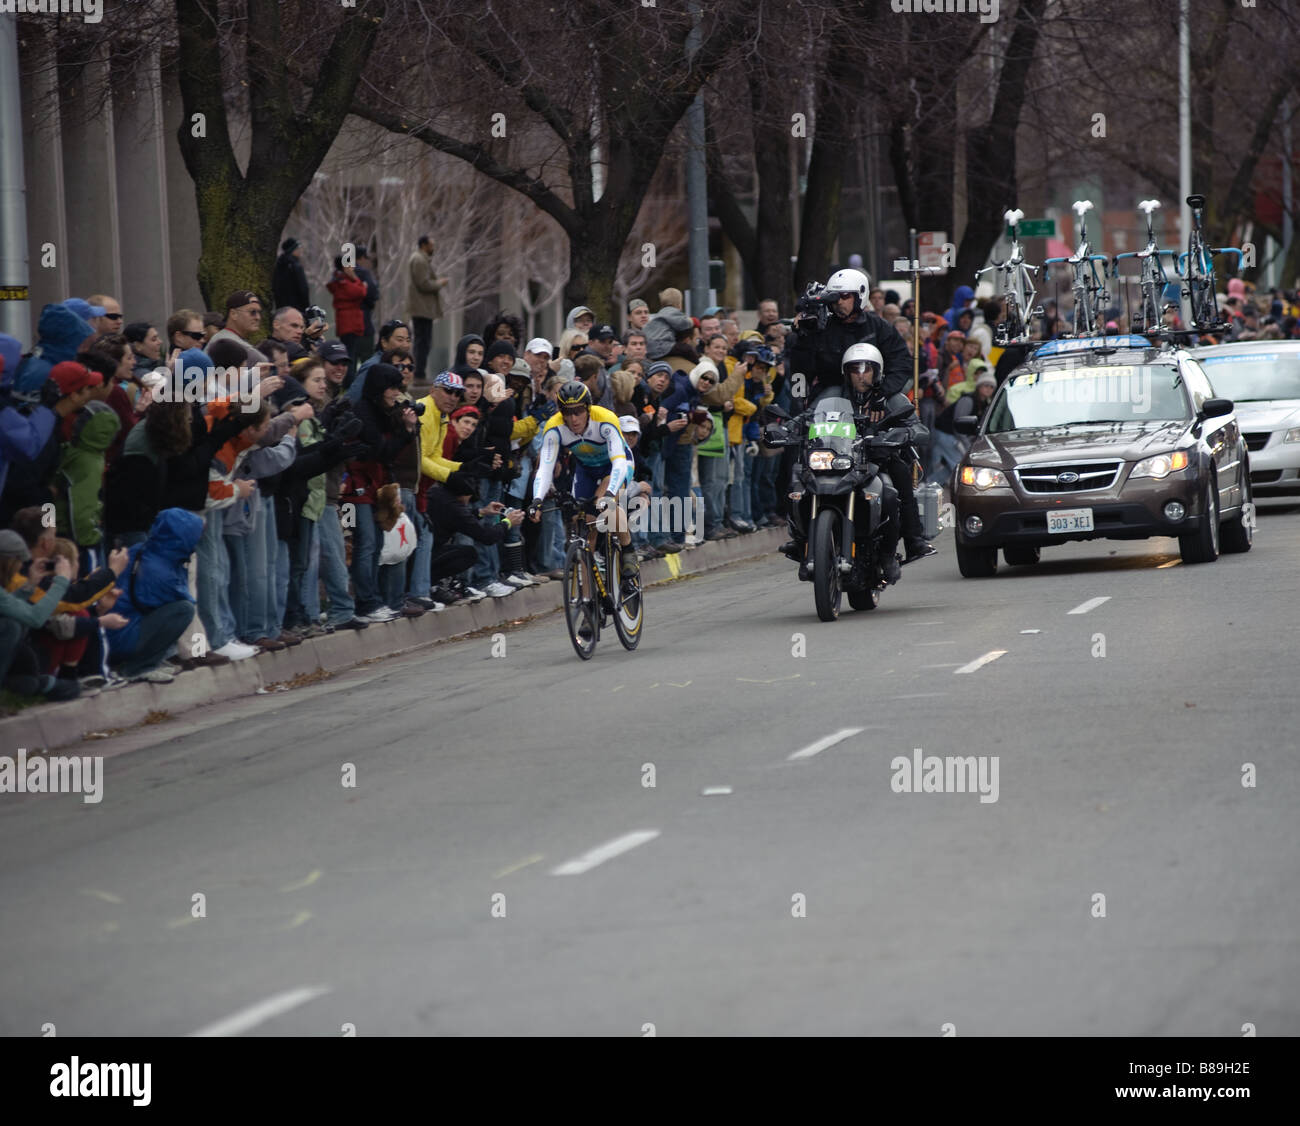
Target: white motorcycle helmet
pixel 850 281
pixel 856 354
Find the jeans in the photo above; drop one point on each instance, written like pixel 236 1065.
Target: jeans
pixel 488 567
pixel 365 560
pixel 302 600
pixel 333 568
pixel 677 483
pixel 159 631
pixel 713 485
pixel 551 549
pixel 250 575
pixel 762 493
pixel 418 584
pixel 947 453
pixel 213 582
pixel 422 330
pixel 277 561
pixel 739 495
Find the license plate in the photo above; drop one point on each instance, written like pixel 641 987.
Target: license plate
pixel 1069 520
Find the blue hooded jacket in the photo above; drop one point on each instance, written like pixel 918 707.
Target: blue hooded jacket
pixel 161 578
pixel 59 333
pixel 960 300
pixel 21 435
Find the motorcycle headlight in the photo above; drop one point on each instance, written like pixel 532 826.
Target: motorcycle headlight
pixel 982 477
pixel 821 459
pixel 1161 465
pixel 842 463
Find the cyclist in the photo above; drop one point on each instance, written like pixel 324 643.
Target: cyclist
pixel 603 463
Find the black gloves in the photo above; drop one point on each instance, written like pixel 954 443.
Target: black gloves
pixel 347 429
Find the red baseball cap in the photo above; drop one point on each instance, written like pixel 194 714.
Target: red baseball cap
pixel 72 377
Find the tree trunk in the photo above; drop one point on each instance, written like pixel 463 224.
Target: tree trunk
pixel 991 157
pixel 837 94
pixel 241 215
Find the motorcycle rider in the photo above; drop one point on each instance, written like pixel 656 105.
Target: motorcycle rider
pixel 819 352
pixel 864 387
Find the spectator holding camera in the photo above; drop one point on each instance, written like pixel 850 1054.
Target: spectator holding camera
pixel 20 663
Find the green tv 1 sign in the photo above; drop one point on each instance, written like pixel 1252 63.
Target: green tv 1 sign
pixel 1037 228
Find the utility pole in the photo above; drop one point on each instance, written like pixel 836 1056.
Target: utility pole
pixel 15 305
pixel 1184 132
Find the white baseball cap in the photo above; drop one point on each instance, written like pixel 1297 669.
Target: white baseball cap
pixel 629 424
pixel 538 346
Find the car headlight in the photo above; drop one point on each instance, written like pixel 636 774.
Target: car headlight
pixel 1161 465
pixel 821 459
pixel 1292 435
pixel 982 477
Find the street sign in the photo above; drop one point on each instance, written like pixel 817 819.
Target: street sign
pixel 930 246
pixel 1037 228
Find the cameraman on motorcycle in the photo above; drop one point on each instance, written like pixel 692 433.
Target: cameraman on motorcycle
pixel 818 352
pixel 863 387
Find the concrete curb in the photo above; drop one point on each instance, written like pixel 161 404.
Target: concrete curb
pixel 52 726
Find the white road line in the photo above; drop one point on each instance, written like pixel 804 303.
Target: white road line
pixel 1091 604
pixel 709 791
pixel 821 744
pixel 601 853
pixel 1031 631
pixel 260 1013
pixel 980 662
pixel 922 644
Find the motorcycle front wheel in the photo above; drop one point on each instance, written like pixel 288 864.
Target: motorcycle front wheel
pixel 826 564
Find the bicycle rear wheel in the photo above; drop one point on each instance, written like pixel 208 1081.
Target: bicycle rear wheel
pixel 629 602
pixel 580 612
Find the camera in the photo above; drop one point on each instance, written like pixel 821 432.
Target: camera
pixel 416 406
pixel 314 315
pixel 815 303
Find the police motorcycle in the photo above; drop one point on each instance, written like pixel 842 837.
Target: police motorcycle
pixel 841 496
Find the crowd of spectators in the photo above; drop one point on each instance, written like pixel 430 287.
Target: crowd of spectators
pixel 197 490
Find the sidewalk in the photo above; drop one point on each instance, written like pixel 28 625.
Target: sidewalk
pixel 52 726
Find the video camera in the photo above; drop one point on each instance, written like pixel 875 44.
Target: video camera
pixel 816 302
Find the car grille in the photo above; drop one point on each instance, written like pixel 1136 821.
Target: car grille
pixel 1091 475
pixel 1257 441
pixel 1266 476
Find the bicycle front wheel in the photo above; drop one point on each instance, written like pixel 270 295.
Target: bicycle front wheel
pixel 580 613
pixel 629 600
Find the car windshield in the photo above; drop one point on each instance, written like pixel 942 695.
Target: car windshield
pixel 1065 396
pixel 832 424
pixel 1252 377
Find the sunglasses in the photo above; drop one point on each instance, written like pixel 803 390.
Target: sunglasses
pixel 113 316
pixel 577 348
pixel 191 335
pixel 407 366
pixel 707 379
